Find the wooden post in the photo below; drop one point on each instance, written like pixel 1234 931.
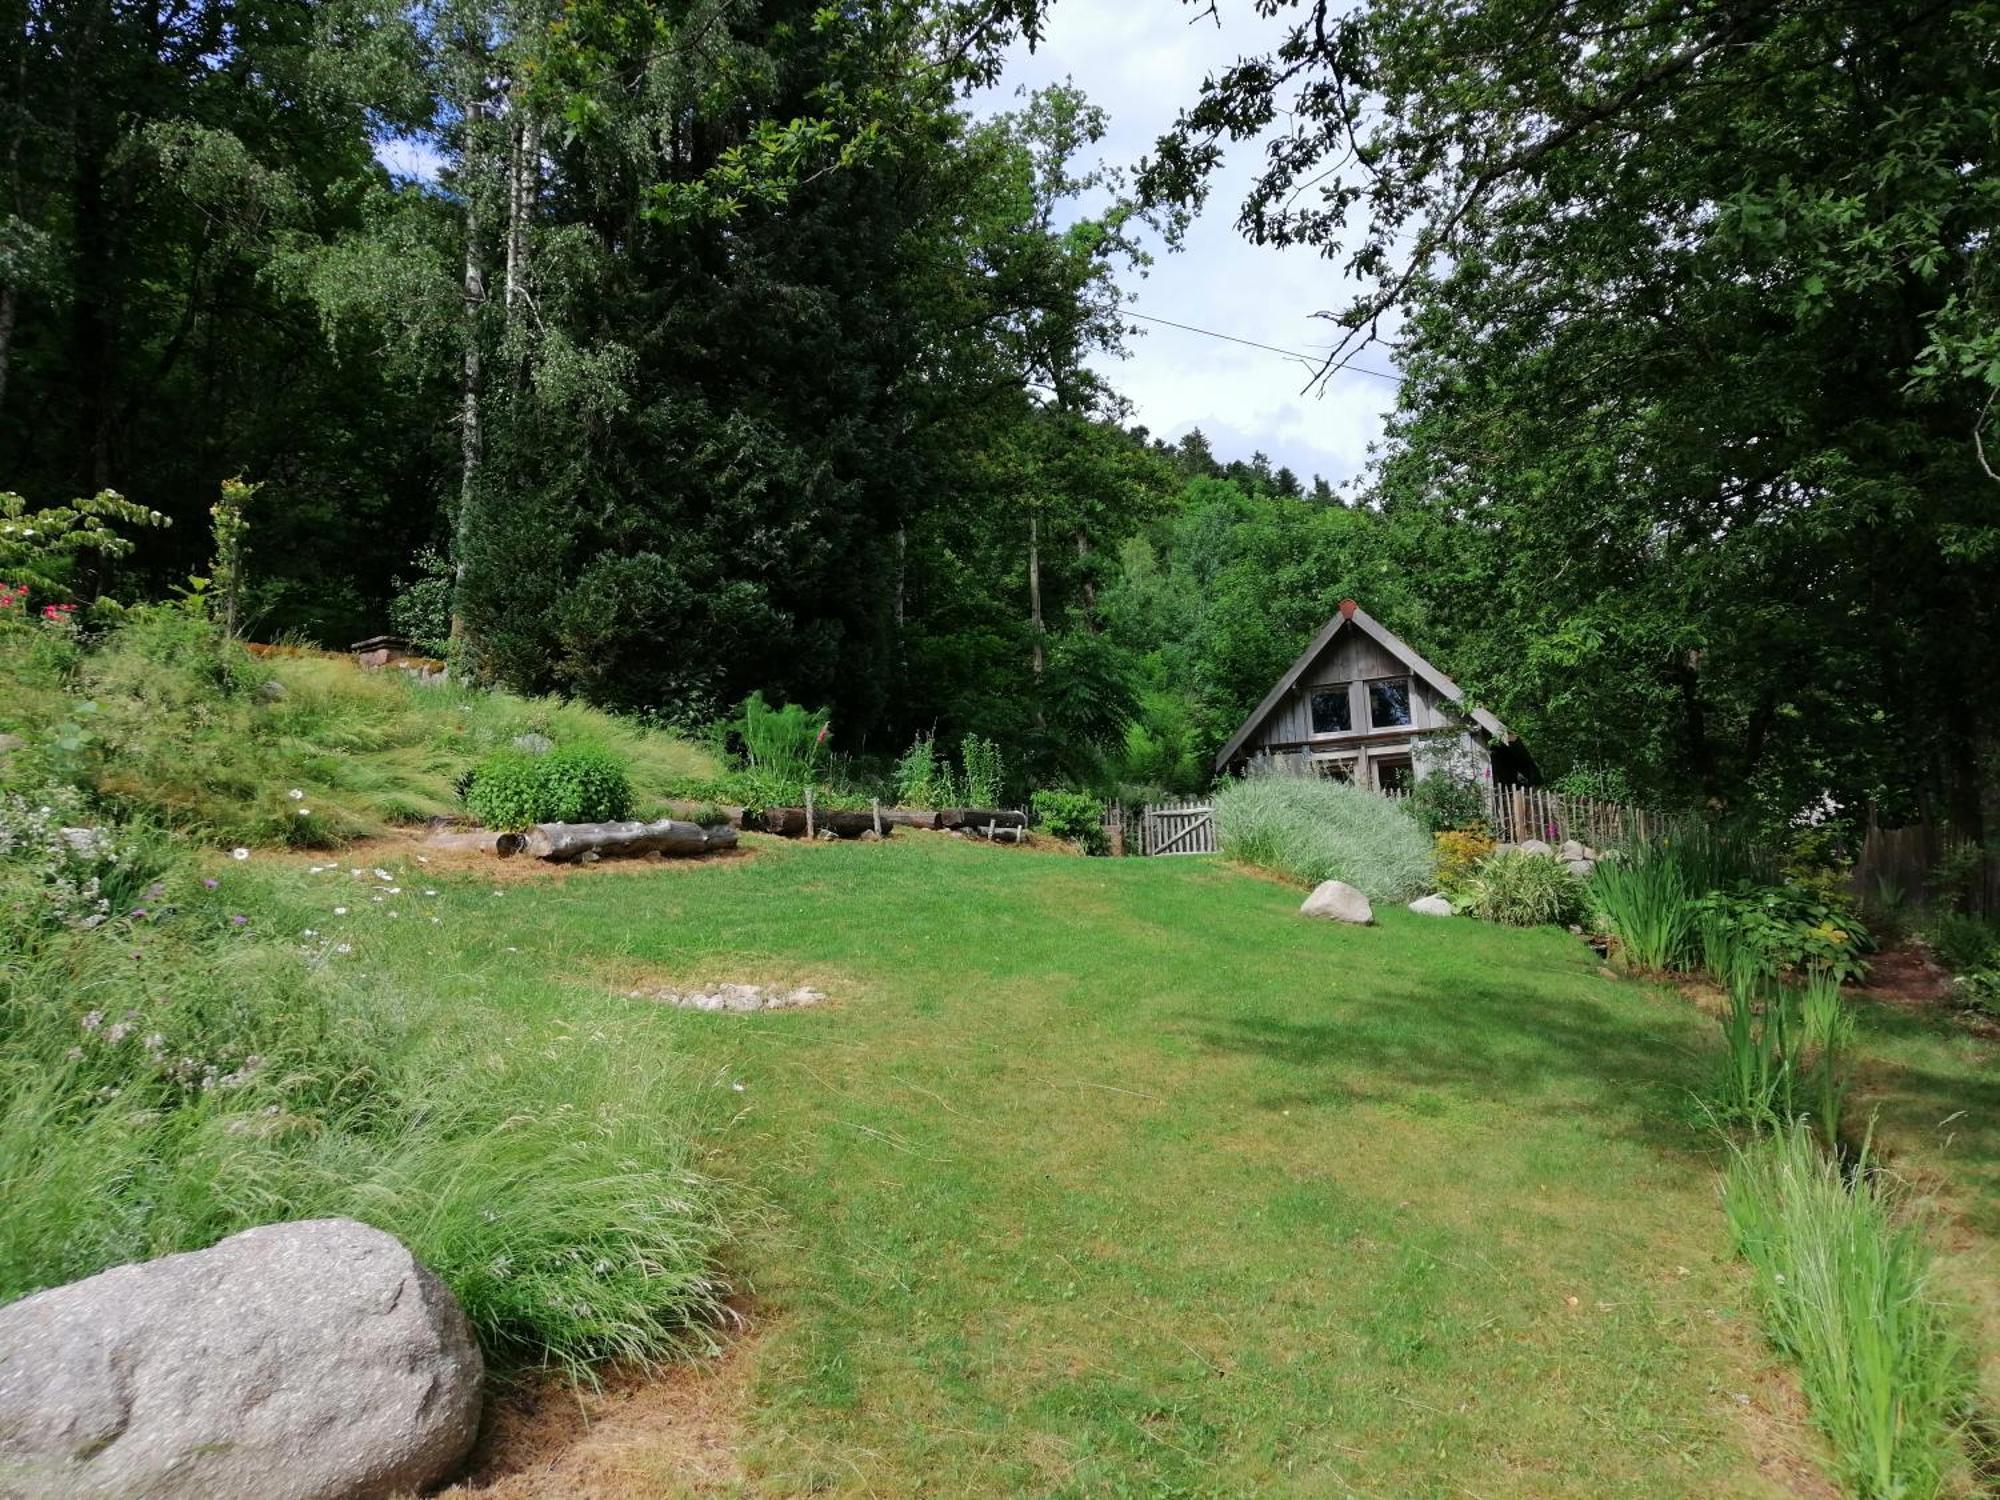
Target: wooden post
pixel 875 809
pixel 809 813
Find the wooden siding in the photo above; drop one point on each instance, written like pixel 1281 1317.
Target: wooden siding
pixel 1355 659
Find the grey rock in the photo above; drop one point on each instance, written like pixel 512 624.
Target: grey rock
pixel 1572 849
pixel 1339 901
pixel 1431 906
pixel 314 1360
pixel 273 691
pixel 1581 868
pixel 534 744
pixel 10 742
pixel 1536 846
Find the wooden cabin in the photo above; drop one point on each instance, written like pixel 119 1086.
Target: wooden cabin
pixel 1359 705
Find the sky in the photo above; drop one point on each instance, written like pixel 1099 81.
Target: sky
pixel 1142 61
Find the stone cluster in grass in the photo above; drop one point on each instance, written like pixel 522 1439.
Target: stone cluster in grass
pixel 738 997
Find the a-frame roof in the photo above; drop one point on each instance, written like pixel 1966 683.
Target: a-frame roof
pixel 1354 616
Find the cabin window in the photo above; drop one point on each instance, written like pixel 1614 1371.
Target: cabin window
pixel 1330 711
pixel 1389 702
pixel 1394 776
pixel 1334 768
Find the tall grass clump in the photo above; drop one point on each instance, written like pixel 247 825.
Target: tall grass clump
pixel 200 1055
pixel 1523 890
pixel 1310 830
pixel 1846 1291
pixel 1645 899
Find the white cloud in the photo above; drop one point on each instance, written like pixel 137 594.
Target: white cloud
pixel 410 158
pixel 1144 62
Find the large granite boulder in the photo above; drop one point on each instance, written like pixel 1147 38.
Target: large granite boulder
pixel 1537 846
pixel 308 1361
pixel 1339 901
pixel 1431 906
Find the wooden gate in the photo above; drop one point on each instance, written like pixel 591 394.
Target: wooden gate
pixel 1177 828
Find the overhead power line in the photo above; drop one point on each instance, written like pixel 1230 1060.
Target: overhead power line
pixel 1312 361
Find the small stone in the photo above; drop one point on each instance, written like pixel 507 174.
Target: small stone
pixel 1431 906
pixel 1571 849
pixel 828 836
pixel 869 836
pixel 533 744
pixel 1537 846
pixel 10 742
pixel 1339 901
pixel 1581 868
pixel 272 691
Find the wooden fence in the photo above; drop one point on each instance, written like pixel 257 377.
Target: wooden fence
pixel 1520 813
pixel 1515 814
pixel 1910 867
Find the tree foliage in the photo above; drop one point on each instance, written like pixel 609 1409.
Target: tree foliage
pixel 1695 307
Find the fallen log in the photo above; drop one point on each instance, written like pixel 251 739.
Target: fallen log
pixel 998 833
pixel 910 817
pixel 479 840
pixel 844 822
pixel 560 843
pixel 980 817
pixel 785 822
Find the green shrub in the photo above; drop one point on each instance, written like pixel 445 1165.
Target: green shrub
pixel 1791 928
pixel 1979 990
pixel 1846 1293
pixel 572 784
pixel 1963 944
pixel 1456 853
pixel 1524 890
pixel 1310 830
pixel 1451 792
pixel 1076 817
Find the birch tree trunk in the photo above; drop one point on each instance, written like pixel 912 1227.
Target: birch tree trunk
pixel 471 444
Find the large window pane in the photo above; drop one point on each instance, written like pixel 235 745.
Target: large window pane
pixel 1389 702
pixel 1331 714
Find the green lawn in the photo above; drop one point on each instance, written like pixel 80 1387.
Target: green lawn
pixel 1117 1177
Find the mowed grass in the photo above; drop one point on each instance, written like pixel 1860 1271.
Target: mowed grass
pixel 1119 1178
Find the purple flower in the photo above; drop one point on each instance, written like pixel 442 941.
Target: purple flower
pixel 239 920
pixel 209 884
pixel 138 911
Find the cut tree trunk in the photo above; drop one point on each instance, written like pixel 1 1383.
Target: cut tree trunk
pixel 980 817
pixel 479 840
pixel 910 817
pixel 562 842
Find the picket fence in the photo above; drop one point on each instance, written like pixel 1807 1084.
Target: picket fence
pixel 1514 813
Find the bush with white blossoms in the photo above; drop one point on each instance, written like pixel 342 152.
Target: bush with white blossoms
pixel 49 842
